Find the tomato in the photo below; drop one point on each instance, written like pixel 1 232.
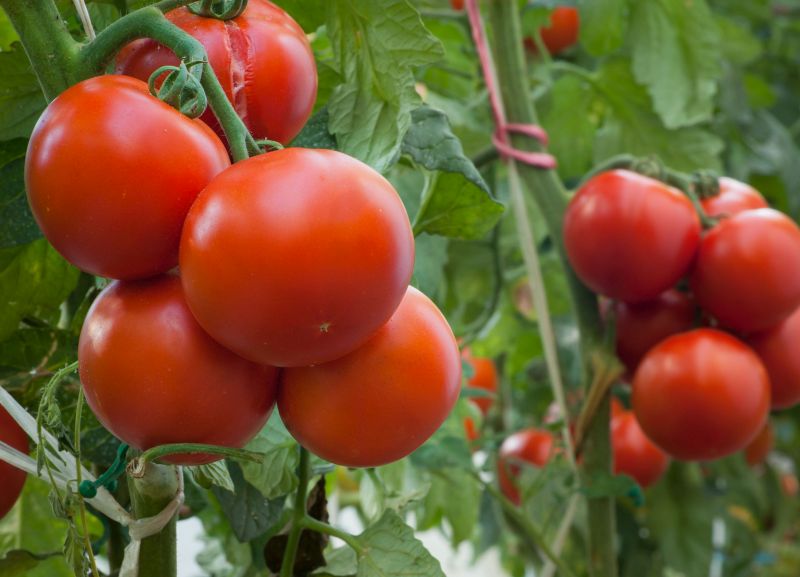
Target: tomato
pixel 789 484
pixel 734 197
pixel 296 257
pixel 701 395
pixel 471 430
pixel 153 377
pixel 777 348
pixel 11 479
pixel 563 30
pixel 111 173
pixel 383 400
pixel 641 326
pixel 457 4
pixel 617 408
pixel 747 273
pixel 634 454
pixel 756 452
pixel 263 61
pixel 630 237
pixel 532 446
pixel 484 376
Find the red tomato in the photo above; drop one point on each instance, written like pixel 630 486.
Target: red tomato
pixel 383 400
pixel 747 273
pixel 457 4
pixel 532 446
pixel 11 479
pixel 296 257
pixel 263 61
pixel 471 430
pixel 634 454
pixel 777 348
pixel 734 197
pixel 789 484
pixel 758 449
pixel 563 30
pixel 153 377
pixel 701 395
pixel 484 376
pixel 641 326
pixel 630 237
pixel 111 173
pixel 617 408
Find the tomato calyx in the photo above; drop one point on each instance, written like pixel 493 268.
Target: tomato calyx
pixel 181 88
pixel 218 9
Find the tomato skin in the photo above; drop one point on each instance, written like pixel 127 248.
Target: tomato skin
pixel 343 413
pixel 747 273
pixel 470 430
pixel 153 377
pixel 634 454
pixel 457 4
pixel 263 61
pixel 701 395
pixel 563 30
pixel 12 480
pixel 484 376
pixel 756 452
pixel 271 279
pixel 641 326
pixel 534 446
pixel 734 197
pixel 111 173
pixel 630 237
pixel 777 348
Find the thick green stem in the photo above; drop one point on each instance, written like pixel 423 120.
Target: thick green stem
pixel 47 42
pixel 161 451
pixel 150 494
pixel 298 515
pixel 552 200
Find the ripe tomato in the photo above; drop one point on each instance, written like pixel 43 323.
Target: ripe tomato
pixel 383 400
pixel 153 377
pixel 263 61
pixel 563 30
pixel 634 454
pixel 111 173
pixel 296 257
pixel 734 197
pixel 641 326
pixel 457 4
pixel 484 376
pixel 701 395
pixel 777 348
pixel 789 484
pixel 630 237
pixel 11 479
pixel 532 446
pixel 747 272
pixel 756 452
pixel 471 430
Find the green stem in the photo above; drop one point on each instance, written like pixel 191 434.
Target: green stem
pixel 47 42
pixel 552 200
pixel 77 445
pixel 351 540
pixel 162 451
pixel 298 515
pixel 150 494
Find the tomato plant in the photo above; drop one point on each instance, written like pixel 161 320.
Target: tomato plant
pixel 701 395
pixel 269 279
pixel 634 454
pixel 261 57
pixel 734 197
pixel 747 273
pixel 339 411
pixel 153 377
pixel 530 446
pixel 630 237
pixel 562 31
pixel 777 349
pixel 12 479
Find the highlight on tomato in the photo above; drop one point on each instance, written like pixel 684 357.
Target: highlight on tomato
pixel 342 412
pixel 153 377
pixel 12 480
pixel 529 446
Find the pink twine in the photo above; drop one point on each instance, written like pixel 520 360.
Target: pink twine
pixel 500 137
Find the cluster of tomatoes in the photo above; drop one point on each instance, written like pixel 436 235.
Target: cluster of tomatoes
pixel 292 272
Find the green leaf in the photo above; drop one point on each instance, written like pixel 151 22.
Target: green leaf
pixel 21 99
pixel 17 225
pixel 18 563
pixel 457 202
pixel 34 280
pixel 213 474
pixel 248 512
pixel 442 451
pixel 376 44
pixel 602 26
pixel 26 347
pixel 455 496
pixel 275 476
pixel 675 48
pixel 7 33
pixel 634 128
pixel 391 550
pixel 309 14
pixel 341 562
pixel 431 258
pixel 737 44
pixel 315 133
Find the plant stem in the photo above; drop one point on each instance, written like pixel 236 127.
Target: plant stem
pixel 47 42
pixel 298 515
pixel 150 494
pixel 552 200
pixel 320 527
pixel 162 451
